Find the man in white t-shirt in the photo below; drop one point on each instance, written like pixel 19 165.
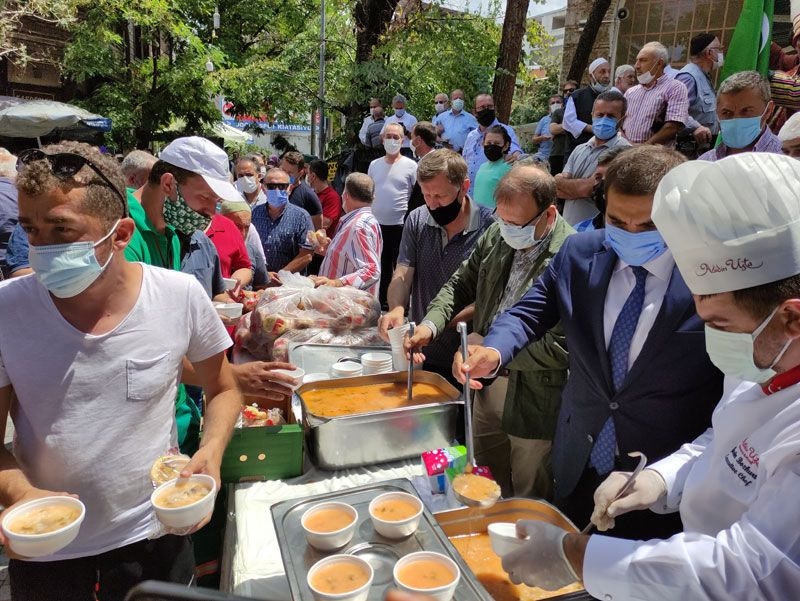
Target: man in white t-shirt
pixel 394 176
pixel 92 345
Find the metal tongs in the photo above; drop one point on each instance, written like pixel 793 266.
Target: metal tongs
pixel 628 484
pixel 462 329
pixel 410 363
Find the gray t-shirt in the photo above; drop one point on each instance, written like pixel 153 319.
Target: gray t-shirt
pixel 394 183
pixel 434 259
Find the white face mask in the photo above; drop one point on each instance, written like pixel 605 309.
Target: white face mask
pixel 732 353
pixel 247 184
pixel 392 146
pixel 458 104
pixel 439 107
pixel 720 60
pixel 645 78
pixel 521 237
pixel 555 106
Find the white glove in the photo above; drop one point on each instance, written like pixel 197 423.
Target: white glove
pixel 540 561
pixel 646 490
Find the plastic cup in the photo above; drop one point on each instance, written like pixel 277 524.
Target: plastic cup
pixel 396 337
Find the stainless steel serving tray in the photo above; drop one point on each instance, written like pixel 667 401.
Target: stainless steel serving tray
pixel 380 436
pixel 298 556
pixel 318 358
pixel 465 521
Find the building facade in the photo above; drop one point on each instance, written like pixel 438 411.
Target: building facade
pixel 40 78
pixel 629 24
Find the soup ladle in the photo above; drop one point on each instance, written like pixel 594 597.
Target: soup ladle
pixel 468 435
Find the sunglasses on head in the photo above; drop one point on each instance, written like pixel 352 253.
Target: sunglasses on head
pixel 276 186
pixel 66 164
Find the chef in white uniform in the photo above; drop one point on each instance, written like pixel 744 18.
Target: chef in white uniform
pixel 734 230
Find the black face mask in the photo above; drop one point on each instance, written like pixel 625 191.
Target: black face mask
pixel 447 214
pixel 599 197
pixel 493 152
pixel 486 117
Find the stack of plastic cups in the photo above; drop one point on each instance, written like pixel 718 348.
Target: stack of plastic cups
pixel 396 337
pixel 376 363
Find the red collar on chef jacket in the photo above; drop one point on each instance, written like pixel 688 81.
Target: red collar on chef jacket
pixel 781 381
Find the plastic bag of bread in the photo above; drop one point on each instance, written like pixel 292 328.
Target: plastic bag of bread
pixel 298 306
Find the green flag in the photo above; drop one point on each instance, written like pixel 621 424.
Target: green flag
pixel 749 47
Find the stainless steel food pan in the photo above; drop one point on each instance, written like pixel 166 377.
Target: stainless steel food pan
pixel 380 436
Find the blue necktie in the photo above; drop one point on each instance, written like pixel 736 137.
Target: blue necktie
pixel 602 456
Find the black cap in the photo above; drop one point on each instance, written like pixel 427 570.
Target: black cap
pixel 700 42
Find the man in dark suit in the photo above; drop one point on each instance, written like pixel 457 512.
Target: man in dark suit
pixel 639 376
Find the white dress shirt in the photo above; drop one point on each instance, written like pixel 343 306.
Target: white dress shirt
pixel 362 133
pixel 619 289
pixel 571 122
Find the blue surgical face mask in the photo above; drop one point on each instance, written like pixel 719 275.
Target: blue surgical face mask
pixel 66 270
pixel 400 112
pixel 741 132
pixel 457 104
pixel 292 180
pixel 277 198
pixel 604 128
pixel 635 249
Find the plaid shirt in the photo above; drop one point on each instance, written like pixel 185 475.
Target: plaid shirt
pixel 354 254
pixel 667 100
pixel 767 142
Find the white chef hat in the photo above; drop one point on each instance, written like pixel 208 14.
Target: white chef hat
pixel 790 129
pixel 732 224
pixel 596 63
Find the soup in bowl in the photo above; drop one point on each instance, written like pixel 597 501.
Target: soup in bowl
pixel 330 525
pixel 184 502
pixel 428 573
pixel 395 514
pixel 43 526
pixel 340 578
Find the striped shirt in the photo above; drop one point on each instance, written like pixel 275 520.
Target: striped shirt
pixel 767 142
pixel 667 100
pixel 354 254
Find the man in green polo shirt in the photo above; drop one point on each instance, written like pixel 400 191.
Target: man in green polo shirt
pixel 191 172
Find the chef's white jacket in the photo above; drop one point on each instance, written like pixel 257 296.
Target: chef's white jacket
pixel 738 491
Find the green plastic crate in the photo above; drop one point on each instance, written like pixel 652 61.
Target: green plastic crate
pixel 264 453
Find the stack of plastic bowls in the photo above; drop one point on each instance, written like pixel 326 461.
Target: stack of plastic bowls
pixel 346 369
pixel 376 363
pixel 396 337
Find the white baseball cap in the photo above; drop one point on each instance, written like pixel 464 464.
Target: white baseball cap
pixel 204 158
pixel 732 224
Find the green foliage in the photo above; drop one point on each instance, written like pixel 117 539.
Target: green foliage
pixel 165 80
pixel 265 57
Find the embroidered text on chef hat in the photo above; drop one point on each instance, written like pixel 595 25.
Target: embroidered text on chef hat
pixel 734 223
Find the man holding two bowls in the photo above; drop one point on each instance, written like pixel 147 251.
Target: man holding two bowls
pixel 107 338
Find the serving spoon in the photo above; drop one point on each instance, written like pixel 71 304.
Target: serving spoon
pixel 628 484
pixel 469 501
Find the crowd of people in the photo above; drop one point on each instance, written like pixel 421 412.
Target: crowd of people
pixel 611 280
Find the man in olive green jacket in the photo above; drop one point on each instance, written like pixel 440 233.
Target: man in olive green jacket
pixel 514 417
